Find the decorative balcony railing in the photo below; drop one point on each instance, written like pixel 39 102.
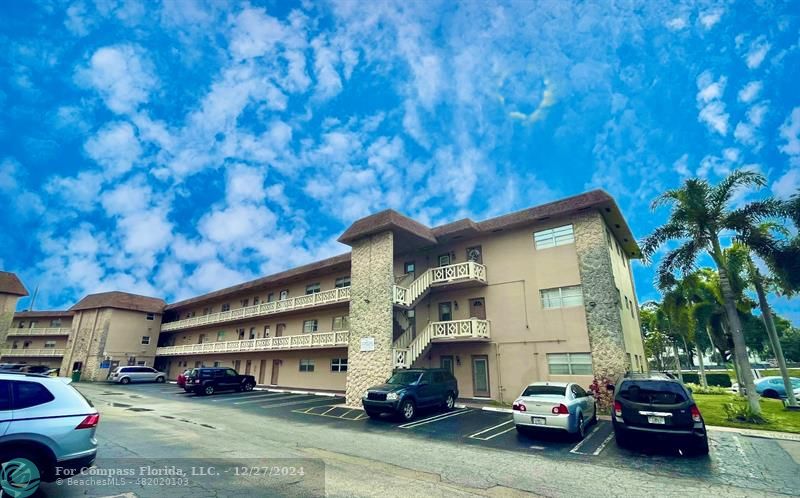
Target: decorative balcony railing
pixel 341 294
pixel 32 352
pixel 440 275
pixel 473 328
pixel 40 331
pixel 301 341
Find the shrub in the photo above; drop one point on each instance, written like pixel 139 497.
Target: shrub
pixel 741 412
pixel 691 378
pixel 713 379
pixel 698 389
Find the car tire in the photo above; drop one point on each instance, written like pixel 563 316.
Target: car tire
pixel 408 410
pixel 593 420
pixel 208 390
pixel 125 380
pixel 160 380
pixel 450 401
pixel 248 386
pixel 621 439
pixel 581 432
pixel 770 393
pixel 373 414
pixel 700 448
pixel 44 464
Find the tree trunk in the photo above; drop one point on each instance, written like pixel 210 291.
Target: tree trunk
pixel 703 381
pixel 677 360
pixel 739 346
pixel 769 323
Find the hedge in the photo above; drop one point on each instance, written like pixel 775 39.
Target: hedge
pixel 713 379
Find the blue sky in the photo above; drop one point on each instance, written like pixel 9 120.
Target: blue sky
pixel 175 148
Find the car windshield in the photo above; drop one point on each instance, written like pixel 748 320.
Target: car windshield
pixel 654 392
pixel 545 390
pixel 404 378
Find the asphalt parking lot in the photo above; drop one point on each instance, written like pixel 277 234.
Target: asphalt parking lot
pixel 763 463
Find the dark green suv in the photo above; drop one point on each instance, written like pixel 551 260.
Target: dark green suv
pixel 408 390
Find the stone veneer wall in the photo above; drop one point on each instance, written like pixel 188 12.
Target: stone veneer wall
pixel 8 304
pixel 86 343
pixel 601 301
pixel 371 277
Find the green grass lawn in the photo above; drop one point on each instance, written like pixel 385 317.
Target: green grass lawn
pixel 778 418
pixel 793 372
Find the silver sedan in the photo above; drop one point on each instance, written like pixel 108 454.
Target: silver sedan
pixel 562 406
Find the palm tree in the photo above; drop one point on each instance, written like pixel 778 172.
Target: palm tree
pixel 700 215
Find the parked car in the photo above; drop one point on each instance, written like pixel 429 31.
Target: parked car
pixel 181 379
pixel 46 421
pixel 561 406
pixel 655 407
pixel 39 369
pixel 408 390
pixel 207 380
pixel 773 387
pixel 12 367
pixel 126 375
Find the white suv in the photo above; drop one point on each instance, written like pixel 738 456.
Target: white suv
pixel 126 375
pixel 46 421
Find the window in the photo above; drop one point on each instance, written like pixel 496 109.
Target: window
pixel 266 330
pixel 652 392
pixel 252 332
pixel 244 303
pixel 230 372
pixel 145 339
pixel 541 390
pixel 309 326
pixel 207 311
pixel 226 307
pixel 25 344
pixel 22 325
pixel 55 323
pixel 49 344
pixel 553 237
pixel 5 395
pixel 626 302
pixel 409 267
pixel 28 394
pixel 270 297
pixel 445 311
pixel 341 322
pixel 339 365
pixel 444 259
pixel 312 288
pixel 255 300
pixel 191 314
pixel 578 391
pixel 284 294
pixel 240 332
pixel 342 282
pixel 220 335
pixel 632 315
pixel 306 365
pixel 608 239
pixel 150 316
pixel 142 363
pixel 570 363
pixel 619 298
pixel 562 297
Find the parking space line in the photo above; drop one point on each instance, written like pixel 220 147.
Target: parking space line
pixel 262 399
pixel 307 411
pixel 289 403
pixel 603 444
pixel 583 441
pixel 330 410
pixel 433 419
pixel 475 436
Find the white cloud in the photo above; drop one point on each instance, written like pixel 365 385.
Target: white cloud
pixel 749 92
pixel 115 147
pixel 681 166
pixel 245 184
pixel 787 185
pixel 711 17
pixel 757 52
pixel 121 74
pixel 254 34
pixel 77 21
pixel 328 81
pixel 790 132
pixel 79 192
pixel 677 23
pixel 712 109
pixel 25 204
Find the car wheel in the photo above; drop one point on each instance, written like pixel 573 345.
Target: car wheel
pixel 581 432
pixel 621 439
pixel 450 402
pixel 208 390
pixel 44 465
pixel 373 414
pixel 408 410
pixel 160 380
pixel 248 386
pixel 124 380
pixel 593 420
pixel 770 393
pixel 521 429
pixel 700 448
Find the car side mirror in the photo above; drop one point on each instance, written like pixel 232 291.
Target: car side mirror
pixel 610 387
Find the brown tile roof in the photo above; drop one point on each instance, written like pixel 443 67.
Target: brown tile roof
pixel 387 220
pixel 43 314
pixel 329 264
pixel 11 284
pixel 120 300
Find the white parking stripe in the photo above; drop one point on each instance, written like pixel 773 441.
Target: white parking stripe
pixel 603 445
pixel 289 403
pixel 244 396
pixel 475 436
pixel 262 399
pixel 582 441
pixel 433 419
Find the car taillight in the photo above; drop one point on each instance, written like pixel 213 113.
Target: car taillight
pixel 617 408
pixel 90 422
pixel 696 414
pixel 519 407
pixel 560 409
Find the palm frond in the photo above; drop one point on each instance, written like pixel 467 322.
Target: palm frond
pixel 724 190
pixel 660 236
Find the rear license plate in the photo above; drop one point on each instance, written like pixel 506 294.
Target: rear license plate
pixel 539 420
pixel 656 420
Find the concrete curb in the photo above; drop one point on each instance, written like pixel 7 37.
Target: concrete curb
pixel 295 391
pixel 784 436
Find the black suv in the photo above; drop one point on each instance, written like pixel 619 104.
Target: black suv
pixel 657 407
pixel 207 381
pixel 407 390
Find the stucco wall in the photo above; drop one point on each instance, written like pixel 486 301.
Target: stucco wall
pixel 370 314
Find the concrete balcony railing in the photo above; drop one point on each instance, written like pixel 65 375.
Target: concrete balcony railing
pixel 338 295
pixel 301 341
pixel 32 352
pixel 439 276
pixel 405 353
pixel 40 331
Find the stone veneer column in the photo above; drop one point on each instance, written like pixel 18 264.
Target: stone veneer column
pixel 601 301
pixel 8 304
pixel 371 280
pixel 86 343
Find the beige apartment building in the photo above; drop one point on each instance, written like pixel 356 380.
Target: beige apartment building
pixel 541 294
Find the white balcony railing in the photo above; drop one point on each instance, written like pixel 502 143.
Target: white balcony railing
pixel 405 354
pixel 341 294
pixel 440 275
pixel 302 341
pixel 32 352
pixel 40 331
